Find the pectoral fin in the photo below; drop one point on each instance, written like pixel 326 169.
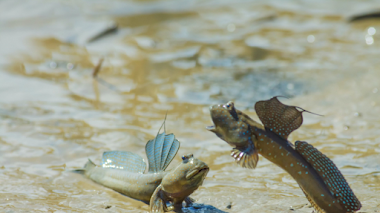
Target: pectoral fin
pixel 189 201
pixel 157 202
pixel 278 117
pixel 246 157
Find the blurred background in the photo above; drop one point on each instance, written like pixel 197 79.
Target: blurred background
pixel 180 57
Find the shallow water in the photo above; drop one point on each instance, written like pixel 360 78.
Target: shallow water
pixel 180 57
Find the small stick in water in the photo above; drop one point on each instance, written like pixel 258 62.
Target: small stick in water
pixel 95 73
pixel 97 67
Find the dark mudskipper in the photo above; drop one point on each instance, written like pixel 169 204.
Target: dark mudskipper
pixel 318 177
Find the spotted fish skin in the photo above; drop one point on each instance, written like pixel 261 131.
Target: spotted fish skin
pixel 234 127
pixel 281 153
pixel 271 142
pixel 331 176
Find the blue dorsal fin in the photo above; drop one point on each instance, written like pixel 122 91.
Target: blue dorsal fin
pixel 153 152
pixel 278 117
pixel 331 176
pixel 171 146
pixel 123 160
pixel 169 139
pixel 161 151
pixel 158 146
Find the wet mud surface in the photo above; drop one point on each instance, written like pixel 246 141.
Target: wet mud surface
pixel 180 57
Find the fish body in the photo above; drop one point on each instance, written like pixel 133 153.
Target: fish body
pixel 124 173
pixel 318 177
pixel 135 185
pixel 285 156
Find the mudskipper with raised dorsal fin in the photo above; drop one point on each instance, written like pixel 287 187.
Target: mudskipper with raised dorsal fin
pixel 124 172
pixel 318 177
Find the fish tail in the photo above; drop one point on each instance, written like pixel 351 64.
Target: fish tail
pixel 88 166
pixel 79 171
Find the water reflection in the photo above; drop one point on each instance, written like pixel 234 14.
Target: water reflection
pixel 371 31
pixel 369 39
pixel 311 38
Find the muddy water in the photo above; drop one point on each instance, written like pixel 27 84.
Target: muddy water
pixel 180 57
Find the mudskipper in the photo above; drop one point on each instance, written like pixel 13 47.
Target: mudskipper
pixel 318 177
pixel 124 172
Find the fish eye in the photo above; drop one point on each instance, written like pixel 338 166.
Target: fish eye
pixel 185 158
pixel 229 105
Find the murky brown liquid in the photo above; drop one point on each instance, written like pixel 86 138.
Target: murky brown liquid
pixel 180 57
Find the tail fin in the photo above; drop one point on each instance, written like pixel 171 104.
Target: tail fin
pixel 161 151
pixel 89 165
pixel 79 171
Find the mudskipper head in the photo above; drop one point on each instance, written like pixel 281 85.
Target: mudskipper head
pixel 186 178
pixel 236 128
pixel 229 124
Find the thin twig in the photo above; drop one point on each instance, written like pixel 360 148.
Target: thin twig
pixel 97 67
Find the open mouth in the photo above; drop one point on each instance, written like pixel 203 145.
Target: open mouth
pixel 197 172
pixel 203 169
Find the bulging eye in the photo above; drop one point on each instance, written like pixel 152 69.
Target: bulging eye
pixel 186 158
pixel 229 105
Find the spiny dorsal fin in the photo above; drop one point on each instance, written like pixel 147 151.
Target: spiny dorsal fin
pixel 330 174
pixel 169 150
pixel 151 152
pixel 278 117
pixel 123 160
pixel 158 144
pixel 161 151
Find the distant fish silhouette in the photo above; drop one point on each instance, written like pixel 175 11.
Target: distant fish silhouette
pixel 365 16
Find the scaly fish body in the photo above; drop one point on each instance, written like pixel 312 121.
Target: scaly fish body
pixel 317 176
